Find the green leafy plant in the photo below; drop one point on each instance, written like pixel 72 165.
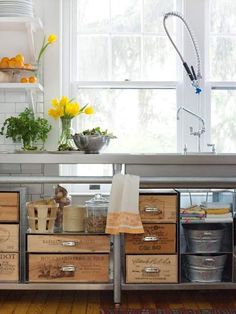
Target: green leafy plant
pixel 26 128
pixel 98 131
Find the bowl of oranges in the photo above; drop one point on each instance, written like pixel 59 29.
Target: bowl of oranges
pixel 16 70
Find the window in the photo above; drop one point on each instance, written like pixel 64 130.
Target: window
pixel 223 73
pixel 124 67
pixel 122 62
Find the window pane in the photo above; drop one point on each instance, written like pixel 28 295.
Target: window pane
pixel 223 16
pixel 144 121
pixel 223 58
pixel 154 11
pixel 223 120
pixel 93 16
pixel 126 58
pixel 86 170
pixel 125 15
pixel 92 58
pixel 159 59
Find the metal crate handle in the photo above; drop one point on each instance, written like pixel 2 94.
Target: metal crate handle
pixel 70 268
pixel 148 209
pixel 155 270
pixel 69 243
pixel 150 239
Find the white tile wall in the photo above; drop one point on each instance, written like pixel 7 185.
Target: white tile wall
pixel 15 96
pixel 2 96
pixel 11 104
pixel 8 107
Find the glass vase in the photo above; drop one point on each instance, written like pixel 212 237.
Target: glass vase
pixel 65 140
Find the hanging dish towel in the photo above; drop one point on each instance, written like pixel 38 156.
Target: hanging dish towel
pixel 123 211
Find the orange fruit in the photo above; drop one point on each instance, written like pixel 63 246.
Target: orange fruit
pixel 19 64
pixel 20 58
pixel 4 64
pixel 33 79
pixel 24 80
pixel 27 66
pixel 5 59
pixel 12 63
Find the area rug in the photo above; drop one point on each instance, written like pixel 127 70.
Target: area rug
pixel 165 311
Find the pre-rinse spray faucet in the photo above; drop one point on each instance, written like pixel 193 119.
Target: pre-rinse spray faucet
pixel 191 72
pixel 192 132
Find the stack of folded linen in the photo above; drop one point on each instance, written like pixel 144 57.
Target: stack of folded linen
pixel 192 214
pixel 218 212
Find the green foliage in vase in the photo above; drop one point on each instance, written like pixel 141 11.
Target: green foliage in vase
pixel 26 128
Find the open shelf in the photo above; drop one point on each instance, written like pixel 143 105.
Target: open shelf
pixel 22 86
pixel 55 286
pixel 20 23
pixel 179 286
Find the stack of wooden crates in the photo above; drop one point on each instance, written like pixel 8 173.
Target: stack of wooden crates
pixel 9 236
pixel 152 257
pixel 68 257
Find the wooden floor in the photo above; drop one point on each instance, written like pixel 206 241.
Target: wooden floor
pixel 80 302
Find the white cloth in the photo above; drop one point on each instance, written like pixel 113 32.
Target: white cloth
pixel 123 212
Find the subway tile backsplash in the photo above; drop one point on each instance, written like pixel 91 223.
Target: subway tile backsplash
pixel 11 104
pixel 15 96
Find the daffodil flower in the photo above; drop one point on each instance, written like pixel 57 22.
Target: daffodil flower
pixel 51 39
pixel 89 110
pixel 66 108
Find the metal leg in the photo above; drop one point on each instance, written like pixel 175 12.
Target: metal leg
pixel 117 168
pixel 117 270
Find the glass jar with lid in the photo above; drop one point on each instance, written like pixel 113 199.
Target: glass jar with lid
pixel 96 214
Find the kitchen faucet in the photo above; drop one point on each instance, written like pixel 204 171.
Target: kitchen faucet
pixel 192 132
pixel 194 78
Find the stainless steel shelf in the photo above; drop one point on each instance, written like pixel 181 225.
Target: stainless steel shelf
pixel 156 181
pixel 128 159
pixel 55 286
pixel 180 286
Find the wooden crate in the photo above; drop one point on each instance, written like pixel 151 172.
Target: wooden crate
pixel 9 238
pixel 151 269
pixel 156 208
pixel 69 243
pixel 9 266
pixel 9 206
pixel 156 239
pixel 68 268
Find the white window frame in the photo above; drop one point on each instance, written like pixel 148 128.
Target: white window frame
pixel 195 12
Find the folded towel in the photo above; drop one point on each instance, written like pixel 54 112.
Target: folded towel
pixel 123 211
pixel 216 205
pixel 219 211
pixel 219 218
pixel 228 215
pixel 192 215
pixel 192 211
pixel 193 219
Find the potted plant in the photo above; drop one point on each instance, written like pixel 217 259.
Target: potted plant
pixel 26 128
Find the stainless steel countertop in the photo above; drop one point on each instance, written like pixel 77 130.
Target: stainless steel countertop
pixel 128 159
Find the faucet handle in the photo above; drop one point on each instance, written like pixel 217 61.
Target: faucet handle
pixel 213 148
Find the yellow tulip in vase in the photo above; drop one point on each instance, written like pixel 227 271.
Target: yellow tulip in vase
pixel 66 109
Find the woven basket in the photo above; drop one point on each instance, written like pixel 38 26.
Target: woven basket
pixel 41 218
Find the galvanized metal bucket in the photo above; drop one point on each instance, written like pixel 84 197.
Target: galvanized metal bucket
pixel 205 268
pixel 203 238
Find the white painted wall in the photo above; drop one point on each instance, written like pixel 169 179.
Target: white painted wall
pixel 12 102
